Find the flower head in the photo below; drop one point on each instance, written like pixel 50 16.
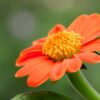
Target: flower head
pixel 62 45
pixel 62 51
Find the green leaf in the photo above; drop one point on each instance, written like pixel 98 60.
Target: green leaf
pixel 84 67
pixel 98 37
pixel 98 53
pixel 43 95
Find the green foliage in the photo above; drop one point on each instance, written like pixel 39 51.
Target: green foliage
pixel 43 95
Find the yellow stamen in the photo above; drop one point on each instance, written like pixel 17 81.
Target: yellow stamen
pixel 62 45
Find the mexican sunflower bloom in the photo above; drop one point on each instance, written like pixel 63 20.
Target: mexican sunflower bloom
pixel 62 51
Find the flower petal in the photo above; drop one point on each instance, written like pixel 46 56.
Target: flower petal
pixel 77 23
pixel 39 41
pixel 58 70
pixel 23 58
pixel 74 64
pixel 86 25
pixel 36 45
pixel 90 23
pixel 40 73
pixel 91 46
pixel 91 29
pixel 89 57
pixel 29 66
pixel 56 29
pixel 93 35
pixel 31 49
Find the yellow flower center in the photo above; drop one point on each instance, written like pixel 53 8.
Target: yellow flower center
pixel 62 45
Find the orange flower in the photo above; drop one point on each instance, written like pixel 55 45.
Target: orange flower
pixel 63 50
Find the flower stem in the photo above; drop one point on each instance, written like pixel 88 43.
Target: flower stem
pixel 82 86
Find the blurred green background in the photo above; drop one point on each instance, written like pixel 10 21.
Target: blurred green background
pixel 21 22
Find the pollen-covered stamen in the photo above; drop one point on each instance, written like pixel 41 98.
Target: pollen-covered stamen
pixel 62 45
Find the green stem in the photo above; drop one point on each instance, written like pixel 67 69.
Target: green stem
pixel 82 86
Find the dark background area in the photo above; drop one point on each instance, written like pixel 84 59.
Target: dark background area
pixel 21 22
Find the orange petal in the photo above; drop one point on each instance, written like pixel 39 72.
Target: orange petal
pixel 58 70
pixel 77 23
pixel 87 25
pixel 56 29
pixel 31 49
pixel 91 46
pixel 29 66
pixel 91 22
pixel 74 64
pixel 36 45
pixel 23 58
pixel 91 28
pixel 39 41
pixel 93 35
pixel 89 57
pixel 40 73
